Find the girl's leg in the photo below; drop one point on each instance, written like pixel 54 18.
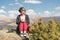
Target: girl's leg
pixel 21 28
pixel 25 28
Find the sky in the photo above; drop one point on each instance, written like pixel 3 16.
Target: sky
pixel 34 8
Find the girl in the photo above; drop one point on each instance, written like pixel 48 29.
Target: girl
pixel 22 21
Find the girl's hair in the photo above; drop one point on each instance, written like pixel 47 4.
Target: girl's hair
pixel 21 9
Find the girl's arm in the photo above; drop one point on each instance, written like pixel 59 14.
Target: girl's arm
pixel 17 20
pixel 28 20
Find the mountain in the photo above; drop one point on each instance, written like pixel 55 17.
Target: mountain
pixel 46 19
pixel 11 23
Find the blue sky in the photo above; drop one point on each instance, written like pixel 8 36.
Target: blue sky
pixel 35 8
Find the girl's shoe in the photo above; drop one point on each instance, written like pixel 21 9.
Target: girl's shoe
pixel 25 34
pixel 21 34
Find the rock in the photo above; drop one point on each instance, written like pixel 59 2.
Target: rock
pixel 8 36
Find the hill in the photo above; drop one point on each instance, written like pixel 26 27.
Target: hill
pixel 11 23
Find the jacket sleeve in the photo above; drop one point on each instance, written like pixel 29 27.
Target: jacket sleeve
pixel 28 20
pixel 17 20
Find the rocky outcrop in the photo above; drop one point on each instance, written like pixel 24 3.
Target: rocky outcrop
pixel 9 36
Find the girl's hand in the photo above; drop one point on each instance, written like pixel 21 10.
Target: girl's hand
pixel 22 20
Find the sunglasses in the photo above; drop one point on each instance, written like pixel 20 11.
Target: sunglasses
pixel 23 10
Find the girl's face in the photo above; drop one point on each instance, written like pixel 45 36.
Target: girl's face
pixel 23 11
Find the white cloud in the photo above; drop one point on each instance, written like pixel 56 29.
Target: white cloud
pixel 16 0
pixel 33 1
pixel 11 4
pixel 13 13
pixel 46 12
pixel 57 8
pixel 41 14
pixel 31 13
pixel 17 3
pixel 3 7
pixel 11 16
pixel 57 14
pixel 2 11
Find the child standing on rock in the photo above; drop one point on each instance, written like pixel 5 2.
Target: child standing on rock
pixel 23 21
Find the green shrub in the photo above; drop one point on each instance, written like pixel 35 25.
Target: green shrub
pixel 48 31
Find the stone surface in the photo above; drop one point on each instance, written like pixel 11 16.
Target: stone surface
pixel 9 36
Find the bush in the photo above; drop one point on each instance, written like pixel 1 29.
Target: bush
pixel 48 31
